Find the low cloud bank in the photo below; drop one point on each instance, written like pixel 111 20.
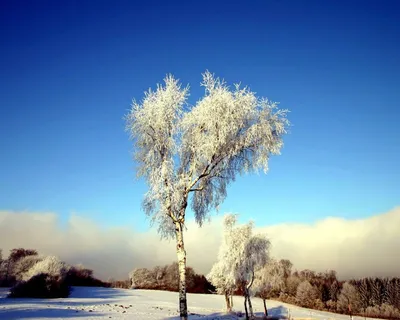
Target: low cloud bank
pixel 354 248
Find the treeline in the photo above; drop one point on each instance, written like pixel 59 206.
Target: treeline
pixel 31 275
pixel 368 297
pixel 167 278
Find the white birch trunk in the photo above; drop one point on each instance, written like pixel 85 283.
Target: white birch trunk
pixel 228 303
pixel 180 250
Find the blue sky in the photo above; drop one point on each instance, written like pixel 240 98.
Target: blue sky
pixel 69 70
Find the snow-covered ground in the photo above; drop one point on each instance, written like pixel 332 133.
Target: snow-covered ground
pixel 99 303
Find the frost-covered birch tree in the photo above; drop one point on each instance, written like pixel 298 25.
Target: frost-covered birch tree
pixel 269 280
pixel 224 284
pixel 189 154
pixel 241 253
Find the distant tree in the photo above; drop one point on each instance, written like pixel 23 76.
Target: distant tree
pixel 396 292
pixel 323 291
pixel 167 278
pixel 306 294
pixel 172 276
pixel 376 291
pixel 19 253
pixel 385 291
pixel 334 291
pixel 286 265
pixel 307 274
pixel 198 151
pixel 349 299
pixel 331 276
pixel 142 278
pixel 291 285
pixel 269 281
pixel 2 269
pixel 364 293
pixel 81 276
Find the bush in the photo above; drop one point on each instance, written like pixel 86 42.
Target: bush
pixel 331 305
pixel 390 312
pixel 44 279
pixel 41 286
pixel 319 305
pixel 288 299
pixel 50 265
pixel 386 311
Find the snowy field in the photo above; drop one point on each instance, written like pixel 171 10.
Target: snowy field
pixel 106 303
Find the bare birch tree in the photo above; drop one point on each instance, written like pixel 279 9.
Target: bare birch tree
pixel 193 152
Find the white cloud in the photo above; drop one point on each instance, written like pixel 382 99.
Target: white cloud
pixel 354 248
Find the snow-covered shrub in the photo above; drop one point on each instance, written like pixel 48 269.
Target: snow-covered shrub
pixel 50 265
pixel 45 279
pixel 41 286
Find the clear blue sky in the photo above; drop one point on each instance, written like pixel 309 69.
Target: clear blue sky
pixel 69 70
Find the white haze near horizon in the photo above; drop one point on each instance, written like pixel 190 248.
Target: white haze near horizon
pixel 354 248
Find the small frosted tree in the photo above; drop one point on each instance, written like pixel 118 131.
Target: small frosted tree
pixel 269 281
pixel 240 254
pixel 193 152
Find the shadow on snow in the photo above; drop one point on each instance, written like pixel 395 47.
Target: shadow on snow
pixel 24 313
pixel 279 312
